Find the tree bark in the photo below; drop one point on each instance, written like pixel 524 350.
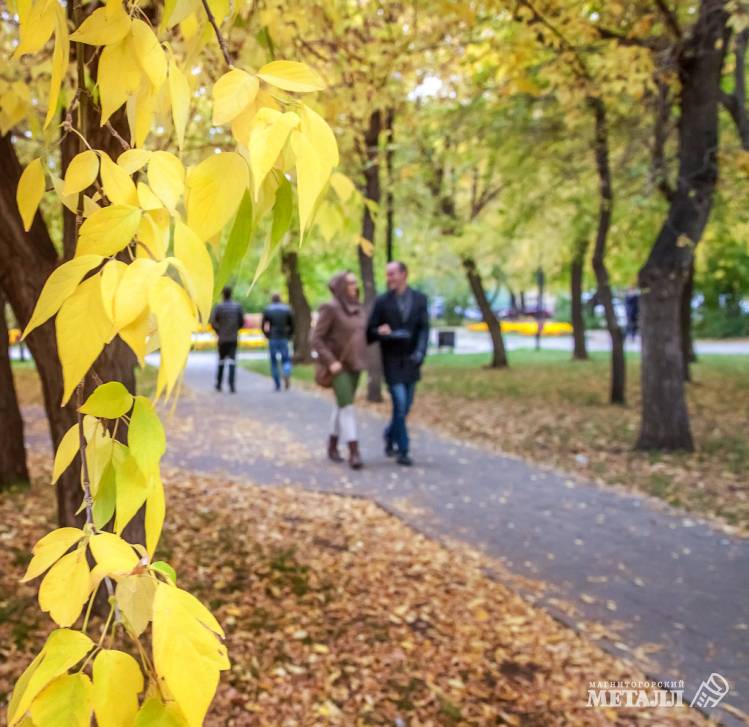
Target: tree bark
pixel 372 191
pixel 389 194
pixel 26 261
pixel 12 451
pixel 685 319
pixel 499 353
pixel 665 418
pixel 601 150
pixel 299 306
pixel 579 351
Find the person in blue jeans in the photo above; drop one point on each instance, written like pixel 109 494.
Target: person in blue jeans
pixel 278 327
pixel 400 323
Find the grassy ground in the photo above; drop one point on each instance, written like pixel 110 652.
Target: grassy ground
pixel 551 410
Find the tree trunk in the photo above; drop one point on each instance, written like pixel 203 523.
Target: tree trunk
pixel 687 343
pixel 499 354
pixel 579 351
pixel 601 149
pixel 665 418
pixel 299 306
pixel 12 451
pixel 389 194
pixel 373 191
pixel 26 261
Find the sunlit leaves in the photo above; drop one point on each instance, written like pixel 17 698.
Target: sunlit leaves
pixel 104 26
pixel 59 287
pixel 64 648
pixel 67 700
pixel 155 510
pixel 232 93
pixel 108 401
pixel 108 230
pixel 82 311
pixel 113 555
pixel 149 52
pixel 66 587
pixel 60 58
pixel 188 654
pixel 291 76
pixel 50 549
pixel 131 489
pixel 117 682
pixel 215 189
pixel 117 184
pixel 267 139
pixel 179 92
pixel 66 451
pixel 30 191
pixel 166 177
pixel 81 172
pixel 193 253
pixel 237 243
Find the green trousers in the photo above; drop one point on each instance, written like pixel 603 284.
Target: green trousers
pixel 344 386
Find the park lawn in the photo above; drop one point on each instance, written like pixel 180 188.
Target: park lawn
pixel 337 613
pixel 551 410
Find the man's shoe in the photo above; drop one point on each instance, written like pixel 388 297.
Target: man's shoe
pixel 287 382
pixel 232 390
pixel 390 450
pixel 354 458
pixel 404 459
pixel 333 453
pixel 218 387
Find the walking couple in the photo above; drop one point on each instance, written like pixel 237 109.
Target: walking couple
pixel 400 323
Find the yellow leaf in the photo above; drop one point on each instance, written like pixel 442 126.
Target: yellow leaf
pixel 166 177
pixel 155 511
pixel 30 191
pixel 153 232
pixel 112 553
pixel 149 52
pixel 174 314
pixel 132 490
pixel 117 77
pixel 117 682
pixel 132 160
pixel 60 58
pixel 179 93
pixel 50 549
pixel 64 648
pixel 342 185
pixel 108 401
pixel 232 93
pixel 82 311
pixel 132 292
pixel 154 713
pixel 59 287
pixel 35 28
pixel 266 143
pixel 103 27
pixel 291 76
pixel 320 135
pixel 108 230
pixel 66 587
pixel 311 175
pixel 145 436
pixel 187 652
pixel 117 184
pixel 134 596
pixel 140 113
pixel 65 701
pixel 134 335
pixel 66 451
pixel 215 189
pixel 111 275
pixel 81 172
pixel 193 253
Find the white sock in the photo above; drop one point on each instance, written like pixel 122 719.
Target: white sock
pixel 334 419
pixel 348 423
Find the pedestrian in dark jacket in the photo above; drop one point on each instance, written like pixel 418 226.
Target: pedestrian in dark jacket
pixel 278 327
pixel 400 322
pixel 227 318
pixel 340 342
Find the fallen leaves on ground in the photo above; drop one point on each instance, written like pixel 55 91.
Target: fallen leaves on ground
pixel 338 613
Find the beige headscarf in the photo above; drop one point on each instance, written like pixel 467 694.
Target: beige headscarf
pixel 337 287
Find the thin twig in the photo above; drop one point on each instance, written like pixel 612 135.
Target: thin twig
pixel 219 37
pixel 125 146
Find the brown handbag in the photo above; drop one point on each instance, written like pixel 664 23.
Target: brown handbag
pixel 323 375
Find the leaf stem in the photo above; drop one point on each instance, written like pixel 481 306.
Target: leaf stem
pixel 219 37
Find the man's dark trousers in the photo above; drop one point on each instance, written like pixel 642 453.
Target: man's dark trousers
pixel 227 353
pixel 396 433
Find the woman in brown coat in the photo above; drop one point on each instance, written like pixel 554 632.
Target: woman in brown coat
pixel 339 338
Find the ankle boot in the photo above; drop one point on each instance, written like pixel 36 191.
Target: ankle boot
pixel 333 449
pixel 354 458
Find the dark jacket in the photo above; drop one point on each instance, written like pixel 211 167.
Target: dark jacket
pixel 404 350
pixel 278 322
pixel 226 319
pixel 339 334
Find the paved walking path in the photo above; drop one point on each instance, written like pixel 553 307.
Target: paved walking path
pixel 650 574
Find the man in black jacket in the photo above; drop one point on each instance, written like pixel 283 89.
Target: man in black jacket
pixel 400 322
pixel 227 318
pixel 278 327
